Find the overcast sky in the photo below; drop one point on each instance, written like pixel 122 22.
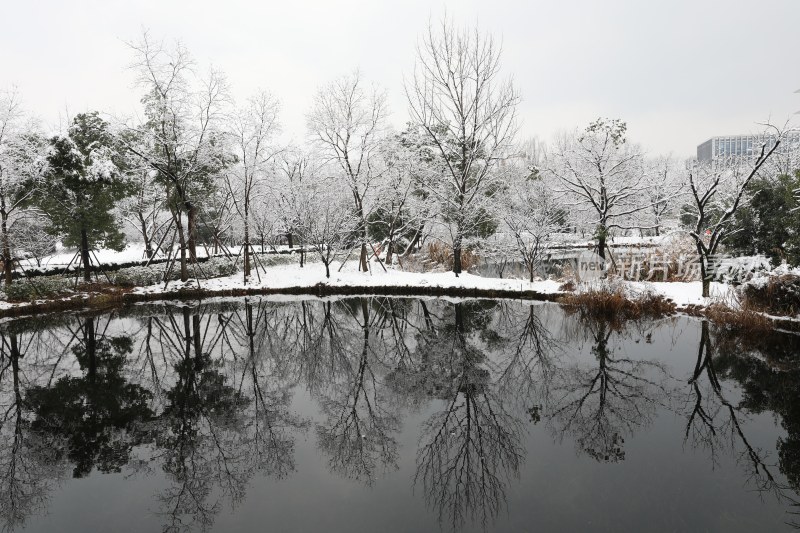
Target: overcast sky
pixel 678 72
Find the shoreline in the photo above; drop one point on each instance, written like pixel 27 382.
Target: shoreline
pixel 100 301
pixel 92 301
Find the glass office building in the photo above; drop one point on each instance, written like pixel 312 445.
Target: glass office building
pixel 717 148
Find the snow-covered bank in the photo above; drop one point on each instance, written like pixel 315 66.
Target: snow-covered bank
pixel 290 279
pixel 313 275
pixel 684 293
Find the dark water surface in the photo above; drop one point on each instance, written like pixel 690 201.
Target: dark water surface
pixel 388 414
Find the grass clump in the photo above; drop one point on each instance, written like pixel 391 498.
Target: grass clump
pixel 738 319
pixel 442 254
pixel 612 302
pixel 777 295
pixel 567 286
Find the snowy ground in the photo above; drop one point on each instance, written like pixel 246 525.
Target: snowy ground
pixel 686 293
pixel 292 276
pixel 132 253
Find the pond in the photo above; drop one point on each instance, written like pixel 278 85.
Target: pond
pixel 389 414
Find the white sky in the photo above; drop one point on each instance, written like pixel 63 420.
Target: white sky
pixel 677 71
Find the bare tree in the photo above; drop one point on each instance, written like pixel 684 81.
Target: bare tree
pixel 400 210
pixel 718 190
pixel 180 131
pixel 346 121
pixel 297 170
pixel 325 223
pixel 21 161
pixel 600 173
pixel 468 112
pixel 30 237
pixel 663 191
pixel 144 209
pixel 252 128
pixel 532 215
pixel 220 218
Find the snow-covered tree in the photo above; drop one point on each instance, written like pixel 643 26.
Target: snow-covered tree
pixel 326 221
pixel 30 236
pixel 601 175
pixel 252 129
pixel 468 113
pixel 145 209
pixel 400 210
pixel 532 215
pixel 221 221
pixel 21 164
pixel 663 193
pixel 182 133
pixel 82 184
pixel 346 122
pixel 718 190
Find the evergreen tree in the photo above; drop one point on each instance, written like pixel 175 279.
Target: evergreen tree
pixel 768 225
pixel 82 185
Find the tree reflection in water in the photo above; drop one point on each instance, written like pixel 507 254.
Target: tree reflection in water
pixel 360 420
pixel 203 396
pixel 471 447
pixel 212 433
pixel 767 371
pixel 97 417
pixel 602 404
pixel 29 463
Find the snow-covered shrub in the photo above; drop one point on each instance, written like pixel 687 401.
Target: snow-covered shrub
pixel 39 288
pixel 139 276
pixel 217 267
pixel 776 294
pixel 282 259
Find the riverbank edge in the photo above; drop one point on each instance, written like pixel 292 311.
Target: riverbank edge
pixel 100 301
pixel 122 297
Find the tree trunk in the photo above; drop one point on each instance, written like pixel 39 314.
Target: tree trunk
pixel 457 256
pixel 182 244
pixel 246 248
pixel 87 273
pixel 148 249
pixel 191 226
pixel 8 261
pixel 389 251
pixel 362 260
pixel 704 277
pixel 289 239
pixel 601 244
pixel 187 332
pixel 327 269
pixel 362 263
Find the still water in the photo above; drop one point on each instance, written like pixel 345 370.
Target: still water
pixel 388 414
